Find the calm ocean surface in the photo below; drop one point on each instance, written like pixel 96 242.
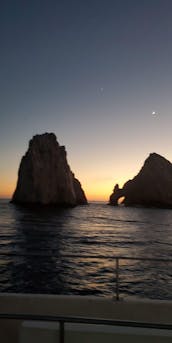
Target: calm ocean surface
pixel 36 243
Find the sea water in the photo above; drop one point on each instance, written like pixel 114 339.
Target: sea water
pixel 72 251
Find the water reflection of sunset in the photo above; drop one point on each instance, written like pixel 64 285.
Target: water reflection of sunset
pixel 94 273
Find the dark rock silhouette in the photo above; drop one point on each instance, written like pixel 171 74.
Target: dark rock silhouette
pixel 80 196
pixel 151 187
pixel 45 177
pixel 116 195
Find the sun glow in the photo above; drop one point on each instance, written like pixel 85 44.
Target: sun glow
pixel 96 188
pixel 101 191
pixel 7 186
pixel 7 190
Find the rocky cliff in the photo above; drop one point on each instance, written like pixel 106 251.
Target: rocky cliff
pixel 45 177
pixel 151 187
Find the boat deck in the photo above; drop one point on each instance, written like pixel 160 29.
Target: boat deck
pixel 159 312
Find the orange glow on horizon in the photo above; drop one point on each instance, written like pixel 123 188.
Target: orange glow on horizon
pixel 95 194
pixel 95 191
pixel 7 192
pixel 8 185
pixel 101 190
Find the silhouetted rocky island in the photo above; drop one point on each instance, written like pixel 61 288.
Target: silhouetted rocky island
pixel 44 176
pixel 151 187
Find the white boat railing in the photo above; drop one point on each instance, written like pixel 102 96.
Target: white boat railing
pixel 62 320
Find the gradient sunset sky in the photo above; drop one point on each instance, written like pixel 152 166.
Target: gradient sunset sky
pixel 92 72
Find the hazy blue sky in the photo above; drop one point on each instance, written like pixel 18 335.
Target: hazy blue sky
pixel 92 72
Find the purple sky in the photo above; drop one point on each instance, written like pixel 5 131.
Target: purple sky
pixel 92 72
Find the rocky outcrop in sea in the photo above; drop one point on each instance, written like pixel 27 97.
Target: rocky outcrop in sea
pixel 45 177
pixel 151 187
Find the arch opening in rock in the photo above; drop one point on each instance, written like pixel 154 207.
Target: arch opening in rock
pixel 121 200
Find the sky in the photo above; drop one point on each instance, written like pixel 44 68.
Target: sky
pixel 92 72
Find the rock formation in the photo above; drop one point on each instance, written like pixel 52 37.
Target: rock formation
pixel 45 177
pixel 116 195
pixel 151 187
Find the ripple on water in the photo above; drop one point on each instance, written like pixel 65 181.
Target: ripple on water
pixel 45 238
